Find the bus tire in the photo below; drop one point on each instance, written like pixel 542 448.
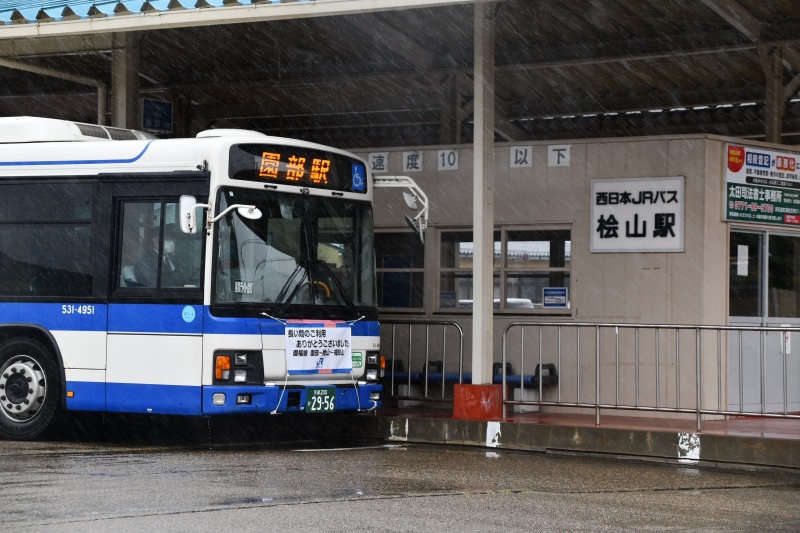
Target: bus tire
pixel 30 388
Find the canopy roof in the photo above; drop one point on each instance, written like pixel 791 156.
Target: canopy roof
pixel 370 73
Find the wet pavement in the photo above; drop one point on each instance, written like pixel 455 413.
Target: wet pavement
pixel 281 473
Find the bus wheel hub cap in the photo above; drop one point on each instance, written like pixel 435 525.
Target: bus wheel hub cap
pixel 22 388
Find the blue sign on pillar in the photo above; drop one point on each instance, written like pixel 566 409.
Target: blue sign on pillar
pixel 157 115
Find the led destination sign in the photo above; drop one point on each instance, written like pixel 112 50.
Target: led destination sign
pixel 302 167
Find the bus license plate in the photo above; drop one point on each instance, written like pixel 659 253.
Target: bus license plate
pixel 321 400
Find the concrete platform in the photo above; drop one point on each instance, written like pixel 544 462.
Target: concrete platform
pixel 748 443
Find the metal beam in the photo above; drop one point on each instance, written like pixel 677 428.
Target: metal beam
pixel 102 89
pixel 538 109
pixel 752 28
pixel 61 46
pixel 738 17
pixel 774 103
pixel 508 130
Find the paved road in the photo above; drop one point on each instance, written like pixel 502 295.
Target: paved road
pixel 168 478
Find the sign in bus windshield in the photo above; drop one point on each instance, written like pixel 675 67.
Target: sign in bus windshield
pixel 292 165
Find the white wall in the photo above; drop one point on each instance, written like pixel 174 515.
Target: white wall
pixel 689 287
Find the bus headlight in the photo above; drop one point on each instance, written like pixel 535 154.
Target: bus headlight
pixel 373 366
pixel 235 367
pixel 218 399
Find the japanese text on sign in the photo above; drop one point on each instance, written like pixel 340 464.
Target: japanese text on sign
pixel 318 350
pixel 638 215
pixel 295 167
pixel 761 186
pixel 558 155
pixel 412 161
pixel 379 161
pixel 520 156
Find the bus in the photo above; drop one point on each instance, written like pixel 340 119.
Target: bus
pixel 229 273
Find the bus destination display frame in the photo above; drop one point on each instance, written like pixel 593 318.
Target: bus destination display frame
pixel 297 166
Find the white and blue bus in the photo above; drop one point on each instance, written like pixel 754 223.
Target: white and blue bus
pixel 228 273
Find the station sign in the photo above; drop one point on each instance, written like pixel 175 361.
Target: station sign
pixel 637 215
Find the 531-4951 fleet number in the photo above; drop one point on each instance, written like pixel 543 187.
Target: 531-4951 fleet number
pixel 73 309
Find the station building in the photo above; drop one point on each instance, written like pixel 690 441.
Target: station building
pixel 691 229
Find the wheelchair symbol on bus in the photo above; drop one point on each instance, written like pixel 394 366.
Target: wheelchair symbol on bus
pixel 359 180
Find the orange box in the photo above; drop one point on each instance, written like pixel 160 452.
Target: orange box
pixel 478 402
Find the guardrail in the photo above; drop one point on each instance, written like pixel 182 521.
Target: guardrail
pixel 701 370
pixel 416 338
pixel 423 366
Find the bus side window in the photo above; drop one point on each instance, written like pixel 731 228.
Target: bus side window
pixel 145 270
pixel 153 252
pixel 180 266
pixel 140 247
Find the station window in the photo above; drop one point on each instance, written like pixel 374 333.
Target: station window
pixel 526 262
pixel 745 275
pixel 754 255
pixel 400 261
pixel 784 276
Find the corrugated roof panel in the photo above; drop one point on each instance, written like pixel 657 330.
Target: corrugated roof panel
pixel 21 11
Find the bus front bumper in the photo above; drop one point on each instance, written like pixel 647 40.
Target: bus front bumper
pixel 300 399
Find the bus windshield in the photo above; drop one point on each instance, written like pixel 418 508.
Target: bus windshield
pixel 304 252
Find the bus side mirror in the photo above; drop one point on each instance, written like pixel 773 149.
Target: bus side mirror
pixel 411 203
pixel 188 214
pixel 410 200
pixel 413 196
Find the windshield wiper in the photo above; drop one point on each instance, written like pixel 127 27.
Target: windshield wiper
pixel 345 296
pixel 288 300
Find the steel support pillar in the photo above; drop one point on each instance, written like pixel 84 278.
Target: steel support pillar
pixel 775 103
pixel 125 81
pixel 483 197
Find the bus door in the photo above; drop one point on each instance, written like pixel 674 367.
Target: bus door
pixel 155 312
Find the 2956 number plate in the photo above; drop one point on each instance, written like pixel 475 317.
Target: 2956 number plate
pixel 321 400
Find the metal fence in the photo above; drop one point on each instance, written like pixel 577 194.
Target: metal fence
pixel 435 347
pixel 702 370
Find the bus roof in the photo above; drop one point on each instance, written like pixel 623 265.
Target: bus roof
pixel 38 129
pixel 38 147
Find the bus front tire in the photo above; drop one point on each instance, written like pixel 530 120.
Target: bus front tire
pixel 29 389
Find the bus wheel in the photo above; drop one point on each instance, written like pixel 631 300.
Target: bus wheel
pixel 29 389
